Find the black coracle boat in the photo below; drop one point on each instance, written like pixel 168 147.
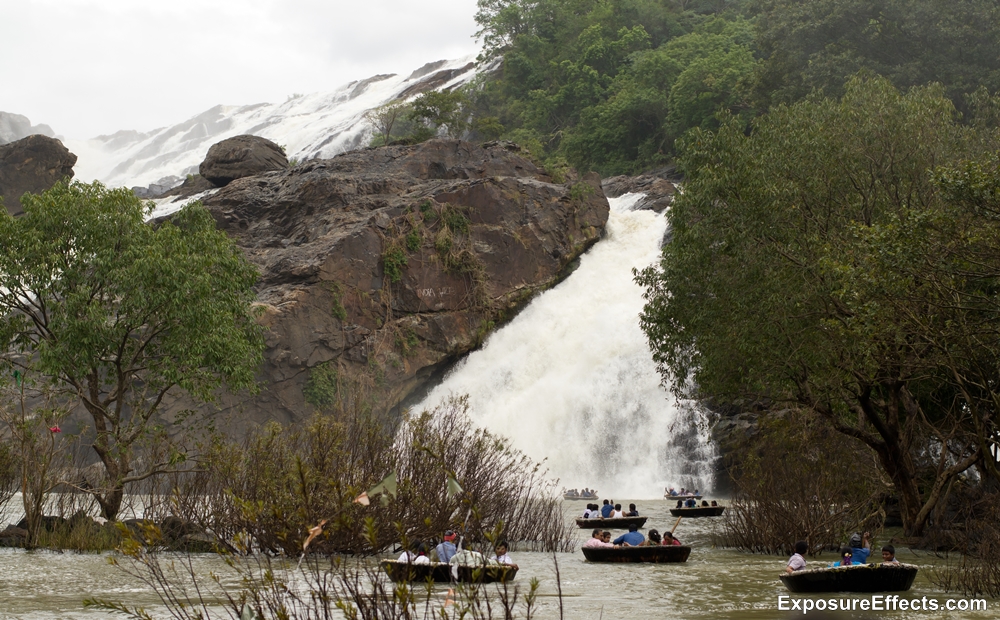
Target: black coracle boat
pixel 440 572
pixel 859 578
pixel 698 511
pixel 621 523
pixel 656 554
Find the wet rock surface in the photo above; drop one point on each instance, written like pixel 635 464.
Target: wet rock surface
pixel 379 267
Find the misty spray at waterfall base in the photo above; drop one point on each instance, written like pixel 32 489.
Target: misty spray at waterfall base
pixel 571 379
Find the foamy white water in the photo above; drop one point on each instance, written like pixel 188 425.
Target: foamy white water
pixel 571 379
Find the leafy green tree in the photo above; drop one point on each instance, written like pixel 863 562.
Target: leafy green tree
pixel 816 44
pixel 806 267
pixel 439 110
pixel 116 312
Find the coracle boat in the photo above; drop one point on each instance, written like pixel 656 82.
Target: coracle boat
pixel 656 554
pixel 698 511
pixel 860 578
pixel 579 496
pixel 440 572
pixel 621 523
pixel 675 497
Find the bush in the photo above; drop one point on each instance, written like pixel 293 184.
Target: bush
pixel 799 480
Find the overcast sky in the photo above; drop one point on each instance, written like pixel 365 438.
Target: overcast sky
pixel 91 67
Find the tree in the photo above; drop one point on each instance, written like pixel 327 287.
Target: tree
pixel 116 312
pixel 384 117
pixel 808 267
pixel 437 109
pixel 817 45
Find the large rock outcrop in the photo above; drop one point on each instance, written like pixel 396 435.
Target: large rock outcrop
pixel 33 164
pixel 381 266
pixel 241 156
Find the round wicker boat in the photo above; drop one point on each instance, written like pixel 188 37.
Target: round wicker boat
pixel 621 523
pixel 439 572
pixel 656 554
pixel 859 578
pixel 698 511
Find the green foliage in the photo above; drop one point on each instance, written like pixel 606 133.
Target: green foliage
pixel 119 311
pixel 455 219
pixel 581 191
pixel 590 82
pixel 322 387
pixel 816 45
pixel 413 240
pixel 338 308
pixel 394 259
pixel 815 262
pixel 406 341
pixel 436 111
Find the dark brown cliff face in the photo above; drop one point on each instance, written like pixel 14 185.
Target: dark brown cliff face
pixel 33 164
pixel 380 266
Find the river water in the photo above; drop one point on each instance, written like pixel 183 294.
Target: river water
pixel 713 583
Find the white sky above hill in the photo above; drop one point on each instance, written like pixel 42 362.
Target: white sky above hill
pixel 92 67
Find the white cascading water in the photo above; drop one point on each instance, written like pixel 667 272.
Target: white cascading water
pixel 571 379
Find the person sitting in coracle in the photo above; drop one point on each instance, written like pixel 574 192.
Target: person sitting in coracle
pixel 846 558
pixel 690 503
pixel 597 539
pixel 630 539
pixel 653 540
pixel 447 548
pixel 860 547
pixel 680 503
pixel 797 561
pixel 422 555
pixel 591 512
pixel 668 539
pixel 416 554
pixel 617 512
pixel 632 512
pixel 889 555
pixel 501 554
pixel 606 509
pixel 715 503
pixel 704 504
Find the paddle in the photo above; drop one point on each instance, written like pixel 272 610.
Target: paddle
pixel 675 525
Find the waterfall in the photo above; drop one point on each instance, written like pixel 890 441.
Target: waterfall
pixel 571 379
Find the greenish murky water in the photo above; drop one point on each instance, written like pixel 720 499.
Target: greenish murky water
pixel 713 583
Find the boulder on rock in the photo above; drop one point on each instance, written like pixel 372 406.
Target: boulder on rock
pixel 241 156
pixel 33 164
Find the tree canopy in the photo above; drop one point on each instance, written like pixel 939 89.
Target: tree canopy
pixel 610 85
pixel 821 261
pixel 116 312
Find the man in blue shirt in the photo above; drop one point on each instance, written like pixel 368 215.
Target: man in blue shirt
pixel 860 547
pixel 632 539
pixel 447 547
pixel 606 509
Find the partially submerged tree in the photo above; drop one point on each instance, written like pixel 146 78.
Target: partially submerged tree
pixel 116 312
pixel 817 262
